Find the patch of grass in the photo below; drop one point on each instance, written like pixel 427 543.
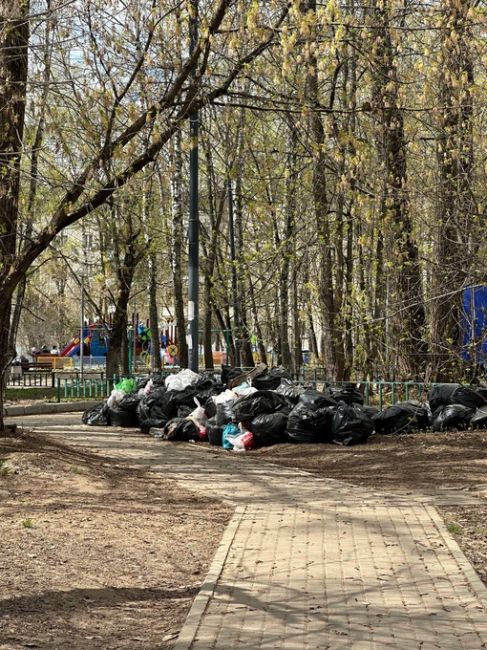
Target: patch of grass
pixel 28 523
pixel 4 468
pixel 38 393
pixel 453 528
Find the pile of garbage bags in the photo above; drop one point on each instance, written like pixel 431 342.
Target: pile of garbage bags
pixel 269 408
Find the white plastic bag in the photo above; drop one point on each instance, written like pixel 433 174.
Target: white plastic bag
pixel 244 389
pixel 148 387
pixel 116 396
pixel 227 396
pixel 199 415
pixel 182 380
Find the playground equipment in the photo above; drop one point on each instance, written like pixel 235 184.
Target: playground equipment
pixel 95 344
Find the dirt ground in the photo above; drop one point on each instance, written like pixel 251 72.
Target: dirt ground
pixel 421 462
pixel 95 556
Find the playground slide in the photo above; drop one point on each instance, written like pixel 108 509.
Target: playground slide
pixel 71 349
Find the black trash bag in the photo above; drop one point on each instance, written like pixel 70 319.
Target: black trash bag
pixel 203 384
pixel 120 418
pixel 271 379
pixel 269 428
pixel 229 373
pixel 142 382
pixel 180 429
pixel 452 417
pixel 205 399
pixel 402 417
pixel 348 393
pixel 440 395
pixel 151 410
pixel 315 399
pixel 310 424
pixel 173 399
pixel 290 391
pixel 96 416
pixel 482 391
pixel 224 413
pixel 370 410
pixel 159 381
pixel 445 394
pixel 479 419
pixel 214 432
pixel 129 403
pixel 263 401
pixel 350 425
pixel 468 397
pixel 210 407
pixel 184 411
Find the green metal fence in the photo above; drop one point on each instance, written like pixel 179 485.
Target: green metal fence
pixel 67 389
pixel 376 393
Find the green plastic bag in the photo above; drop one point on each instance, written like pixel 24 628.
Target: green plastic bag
pixel 128 385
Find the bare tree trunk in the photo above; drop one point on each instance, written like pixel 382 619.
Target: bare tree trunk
pixel 320 202
pixel 14 39
pixel 34 177
pixel 287 246
pixel 117 357
pixel 246 356
pixel 177 246
pixel 455 200
pixel 404 291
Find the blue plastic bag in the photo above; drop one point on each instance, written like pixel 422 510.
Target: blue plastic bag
pixel 229 432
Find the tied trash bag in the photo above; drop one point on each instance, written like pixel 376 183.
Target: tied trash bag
pixel 446 394
pixel 175 399
pixel 214 432
pixel 315 399
pixel 271 379
pixel 116 396
pixel 452 417
pixel 348 394
pixel 306 424
pixel 182 380
pixel 223 406
pixel 350 425
pixel 290 391
pixel 96 416
pixel 151 410
pixel 129 403
pixel 127 385
pixel 479 419
pixel 269 429
pixel 402 417
pixel 120 418
pixel 181 429
pixel 263 401
pixel 243 442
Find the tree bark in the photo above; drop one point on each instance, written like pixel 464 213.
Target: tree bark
pixel 177 241
pixel 455 200
pixel 404 282
pixel 14 40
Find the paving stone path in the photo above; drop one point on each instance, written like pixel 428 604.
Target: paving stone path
pixel 309 563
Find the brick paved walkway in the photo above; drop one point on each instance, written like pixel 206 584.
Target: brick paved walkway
pixel 313 563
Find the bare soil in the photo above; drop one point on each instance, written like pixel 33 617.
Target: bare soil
pixel 426 463
pixel 94 555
